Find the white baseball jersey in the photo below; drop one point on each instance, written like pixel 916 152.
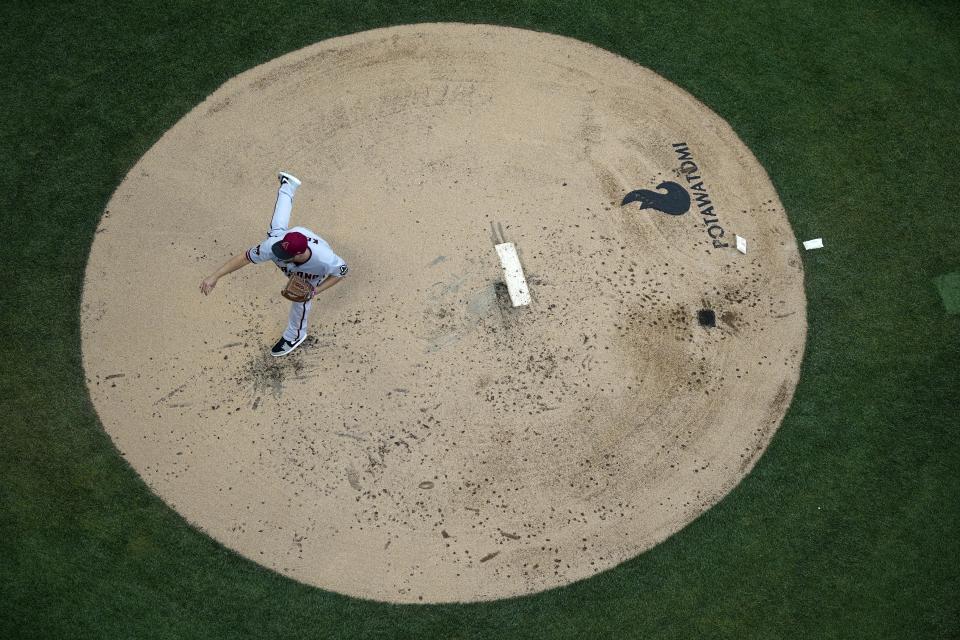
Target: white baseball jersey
pixel 323 261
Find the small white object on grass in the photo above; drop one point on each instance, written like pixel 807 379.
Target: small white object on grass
pixel 741 244
pixel 513 274
pixel 816 243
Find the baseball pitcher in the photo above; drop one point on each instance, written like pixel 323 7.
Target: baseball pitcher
pixel 303 256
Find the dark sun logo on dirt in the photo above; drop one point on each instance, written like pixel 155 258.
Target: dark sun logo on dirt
pixel 677 199
pixel 675 202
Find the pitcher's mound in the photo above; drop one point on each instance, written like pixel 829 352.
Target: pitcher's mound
pixel 430 442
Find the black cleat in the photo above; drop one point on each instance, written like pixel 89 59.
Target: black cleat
pixel 283 347
pixel 288 178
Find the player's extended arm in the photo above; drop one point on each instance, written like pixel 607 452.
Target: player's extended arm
pixel 231 265
pixel 327 283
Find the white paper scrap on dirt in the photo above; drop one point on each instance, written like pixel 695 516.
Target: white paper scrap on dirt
pixel 741 244
pixel 816 243
pixel 513 274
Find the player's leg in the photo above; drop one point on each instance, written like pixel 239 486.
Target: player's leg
pixel 296 331
pixel 297 320
pixel 281 210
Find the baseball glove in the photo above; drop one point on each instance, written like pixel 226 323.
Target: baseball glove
pixel 298 288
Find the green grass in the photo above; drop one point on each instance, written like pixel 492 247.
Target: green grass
pixel 846 528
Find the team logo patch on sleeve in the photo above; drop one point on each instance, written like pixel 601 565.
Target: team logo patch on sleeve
pixel 343 270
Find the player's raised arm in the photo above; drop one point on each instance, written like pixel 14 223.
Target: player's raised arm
pixel 231 265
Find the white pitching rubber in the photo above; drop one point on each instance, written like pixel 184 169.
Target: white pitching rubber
pixel 513 274
pixel 741 244
pixel 816 243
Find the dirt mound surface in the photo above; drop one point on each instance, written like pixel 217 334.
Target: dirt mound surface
pixel 429 442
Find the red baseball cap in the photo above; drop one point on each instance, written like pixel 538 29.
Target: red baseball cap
pixel 292 244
